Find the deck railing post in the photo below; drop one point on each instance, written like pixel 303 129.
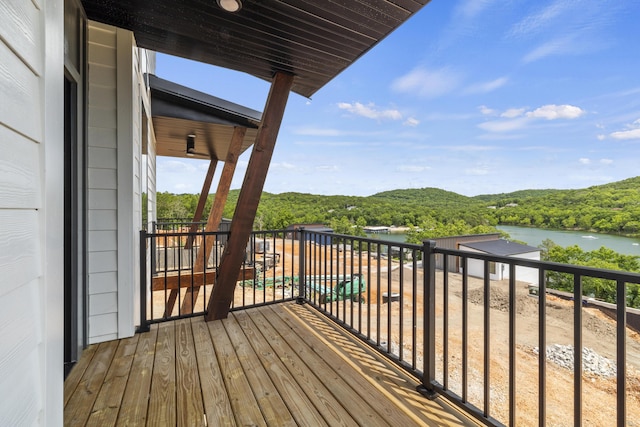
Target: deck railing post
pixel 302 290
pixel 144 324
pixel 429 319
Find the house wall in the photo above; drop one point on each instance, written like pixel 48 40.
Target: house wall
pixel 454 242
pixel 31 212
pixel 116 98
pixel 523 274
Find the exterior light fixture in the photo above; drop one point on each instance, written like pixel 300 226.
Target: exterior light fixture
pixel 230 5
pixel 191 145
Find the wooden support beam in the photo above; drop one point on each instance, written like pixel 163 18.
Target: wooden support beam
pixel 215 215
pixel 206 186
pixel 247 206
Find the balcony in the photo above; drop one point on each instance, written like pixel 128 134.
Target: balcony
pixel 334 329
pixel 277 365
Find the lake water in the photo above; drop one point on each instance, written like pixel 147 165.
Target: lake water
pixel 534 236
pixel 585 240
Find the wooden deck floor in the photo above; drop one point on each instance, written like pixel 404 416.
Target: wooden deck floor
pixel 279 365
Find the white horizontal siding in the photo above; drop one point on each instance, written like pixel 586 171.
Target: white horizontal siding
pixel 30 205
pixel 101 326
pixel 102 219
pixel 102 158
pixel 19 171
pixel 101 283
pixel 102 181
pixel 21 402
pixel 20 29
pixel 102 262
pixel 102 199
pixel 20 249
pixel 103 303
pixel 100 137
pixel 20 92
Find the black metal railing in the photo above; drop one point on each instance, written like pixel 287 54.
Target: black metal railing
pixel 478 329
pixel 176 281
pixel 461 329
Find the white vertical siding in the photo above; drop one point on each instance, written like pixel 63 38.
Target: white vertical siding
pixel 31 220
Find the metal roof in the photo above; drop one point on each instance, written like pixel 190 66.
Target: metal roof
pixel 313 39
pixel 500 247
pixel 178 111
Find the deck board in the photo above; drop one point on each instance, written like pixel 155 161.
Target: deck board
pixel 300 407
pixel 190 408
pixel 276 365
pixel 243 403
pixel 216 399
pixel 162 400
pixel 135 402
pixel 80 404
pixel 106 407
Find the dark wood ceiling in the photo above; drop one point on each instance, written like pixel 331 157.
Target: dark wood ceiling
pixel 313 39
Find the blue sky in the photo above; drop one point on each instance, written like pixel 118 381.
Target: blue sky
pixel 471 96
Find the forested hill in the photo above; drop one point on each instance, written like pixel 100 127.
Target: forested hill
pixel 433 197
pixel 609 208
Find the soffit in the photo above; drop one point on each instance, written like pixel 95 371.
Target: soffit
pixel 179 111
pixel 313 39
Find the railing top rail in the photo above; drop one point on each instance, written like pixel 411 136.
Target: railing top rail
pixel 210 233
pixel 547 265
pixel 365 239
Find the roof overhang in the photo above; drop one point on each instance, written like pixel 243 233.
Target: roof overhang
pixel 312 39
pixel 179 111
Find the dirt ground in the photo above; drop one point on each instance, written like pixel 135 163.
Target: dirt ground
pixel 382 322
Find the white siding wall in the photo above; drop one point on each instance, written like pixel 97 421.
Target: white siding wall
pixel 116 95
pixel 31 206
pixel 523 274
pixel 102 215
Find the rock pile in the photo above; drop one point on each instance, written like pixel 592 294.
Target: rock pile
pixel 592 362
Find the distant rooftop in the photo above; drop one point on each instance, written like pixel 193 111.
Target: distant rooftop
pixel 501 247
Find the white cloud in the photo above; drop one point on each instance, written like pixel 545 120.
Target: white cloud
pixel 471 8
pixel 553 112
pixel 584 161
pixel 370 111
pixel 327 168
pixel 512 113
pixel 518 118
pixel 176 166
pixel 411 121
pixel 427 83
pixel 282 166
pixel 606 161
pixel 626 134
pixel 534 22
pixel 487 87
pixel 504 125
pixel 486 110
pixel 632 132
pixel 476 171
pixel 412 168
pixel 554 47
pixel 468 148
pixel 601 137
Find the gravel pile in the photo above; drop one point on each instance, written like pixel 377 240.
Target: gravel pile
pixel 592 362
